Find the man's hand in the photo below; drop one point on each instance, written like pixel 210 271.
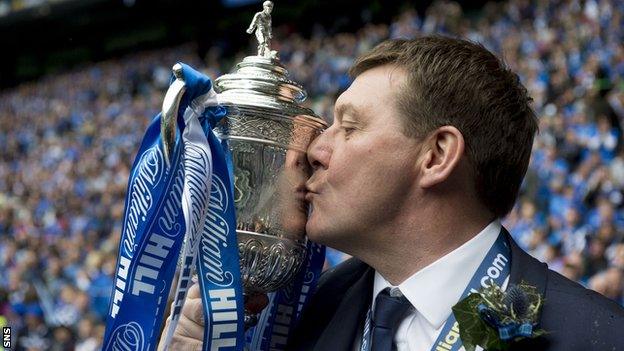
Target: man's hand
pixel 189 333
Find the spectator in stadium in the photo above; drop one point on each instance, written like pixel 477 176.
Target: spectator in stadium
pixel 68 139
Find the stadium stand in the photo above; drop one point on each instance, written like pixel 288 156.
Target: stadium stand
pixel 68 141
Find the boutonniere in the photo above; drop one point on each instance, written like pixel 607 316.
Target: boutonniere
pixel 493 318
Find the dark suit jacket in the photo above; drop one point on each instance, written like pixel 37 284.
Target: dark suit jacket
pixel 574 317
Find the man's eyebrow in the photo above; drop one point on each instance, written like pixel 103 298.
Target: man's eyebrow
pixel 344 108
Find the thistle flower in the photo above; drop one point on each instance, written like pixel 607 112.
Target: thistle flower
pixel 517 302
pixel 501 316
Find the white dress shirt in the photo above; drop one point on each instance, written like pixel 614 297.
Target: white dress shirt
pixel 435 289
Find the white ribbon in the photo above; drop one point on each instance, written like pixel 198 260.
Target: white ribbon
pixel 197 166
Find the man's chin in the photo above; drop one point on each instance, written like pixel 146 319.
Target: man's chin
pixel 321 234
pixel 315 232
pixel 311 231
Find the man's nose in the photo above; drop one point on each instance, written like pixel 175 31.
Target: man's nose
pixel 320 150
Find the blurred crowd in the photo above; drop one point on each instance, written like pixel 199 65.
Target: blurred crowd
pixel 10 6
pixel 68 142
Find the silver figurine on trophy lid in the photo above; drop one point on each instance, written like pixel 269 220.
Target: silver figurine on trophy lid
pixel 268 133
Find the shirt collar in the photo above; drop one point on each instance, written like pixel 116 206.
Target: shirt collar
pixel 436 288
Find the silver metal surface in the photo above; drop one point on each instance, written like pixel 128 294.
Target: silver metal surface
pixel 170 112
pixel 267 262
pixel 261 25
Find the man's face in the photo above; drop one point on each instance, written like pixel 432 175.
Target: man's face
pixel 268 8
pixel 364 166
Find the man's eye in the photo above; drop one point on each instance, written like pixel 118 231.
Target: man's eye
pixel 348 130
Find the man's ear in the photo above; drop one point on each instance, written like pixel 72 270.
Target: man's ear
pixel 442 150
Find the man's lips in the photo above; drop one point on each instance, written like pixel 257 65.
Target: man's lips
pixel 301 192
pixel 309 196
pixel 310 193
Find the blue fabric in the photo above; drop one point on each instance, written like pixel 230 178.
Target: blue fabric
pixel 135 315
pixel 153 230
pixel 276 323
pixel 499 249
pixel 389 312
pixel 508 331
pixel 219 242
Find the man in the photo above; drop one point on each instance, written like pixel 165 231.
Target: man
pixel 427 152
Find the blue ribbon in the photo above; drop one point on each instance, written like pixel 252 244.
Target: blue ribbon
pixel 153 233
pixel 512 330
pixel 497 259
pixel 151 239
pixel 278 320
pixel 218 264
pixel 506 331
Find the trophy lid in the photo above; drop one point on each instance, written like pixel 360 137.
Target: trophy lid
pixel 261 81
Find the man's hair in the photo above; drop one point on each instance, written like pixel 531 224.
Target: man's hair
pixel 460 83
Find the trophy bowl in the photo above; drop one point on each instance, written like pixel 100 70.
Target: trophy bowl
pixel 268 134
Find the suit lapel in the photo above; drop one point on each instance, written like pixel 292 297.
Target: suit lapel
pixel 343 327
pixel 525 268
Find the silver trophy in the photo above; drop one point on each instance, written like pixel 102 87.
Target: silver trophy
pixel 268 133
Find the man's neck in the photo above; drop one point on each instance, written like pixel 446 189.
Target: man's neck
pixel 410 251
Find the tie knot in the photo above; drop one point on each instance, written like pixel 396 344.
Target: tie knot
pixel 390 307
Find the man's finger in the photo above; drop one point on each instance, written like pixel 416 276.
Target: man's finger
pixel 183 343
pixel 193 292
pixel 189 329
pixel 193 310
pixel 187 336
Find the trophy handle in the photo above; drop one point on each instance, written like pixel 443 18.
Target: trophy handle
pixel 170 112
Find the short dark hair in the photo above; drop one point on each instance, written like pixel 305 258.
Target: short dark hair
pixel 460 83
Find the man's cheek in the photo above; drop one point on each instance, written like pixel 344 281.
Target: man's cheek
pixel 339 179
